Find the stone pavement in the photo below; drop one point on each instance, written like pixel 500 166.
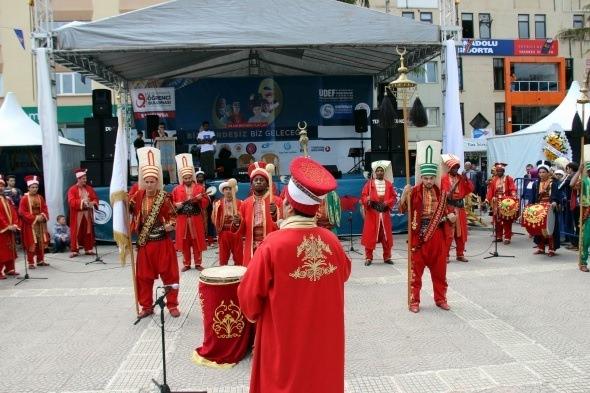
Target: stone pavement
pixel 516 325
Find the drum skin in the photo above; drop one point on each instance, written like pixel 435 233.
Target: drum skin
pixel 508 208
pixel 538 219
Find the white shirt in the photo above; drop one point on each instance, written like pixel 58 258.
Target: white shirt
pixel 204 136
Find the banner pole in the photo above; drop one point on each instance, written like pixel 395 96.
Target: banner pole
pixel 132 254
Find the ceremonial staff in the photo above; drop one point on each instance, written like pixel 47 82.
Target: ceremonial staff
pixel 578 130
pixel 403 89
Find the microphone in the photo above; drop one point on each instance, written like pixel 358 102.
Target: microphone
pixel 170 286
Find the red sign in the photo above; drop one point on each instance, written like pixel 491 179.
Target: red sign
pixel 548 47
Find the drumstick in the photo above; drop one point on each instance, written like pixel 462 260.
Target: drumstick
pixel 232 184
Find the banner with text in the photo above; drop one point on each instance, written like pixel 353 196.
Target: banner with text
pixel 521 47
pixel 154 101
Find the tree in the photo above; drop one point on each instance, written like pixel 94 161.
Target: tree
pixel 580 34
pixel 362 3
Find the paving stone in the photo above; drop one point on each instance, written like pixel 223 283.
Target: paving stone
pixel 371 385
pixel 506 338
pixel 581 385
pixel 490 325
pixel 421 383
pixel 511 374
pixel 466 379
pixel 529 353
pixel 554 370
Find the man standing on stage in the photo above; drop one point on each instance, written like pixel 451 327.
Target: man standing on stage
pixel 294 290
pixel 500 187
pixel 378 198
pixel 224 212
pixel 457 188
pixel 258 214
pixel 9 226
pixel 154 217
pixel 82 201
pixel 190 200
pixel 430 222
pixel 207 141
pixel 34 214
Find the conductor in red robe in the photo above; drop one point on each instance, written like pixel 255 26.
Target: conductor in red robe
pixel 190 201
pixel 224 212
pixel 82 201
pixel 457 188
pixel 9 225
pixel 294 290
pixel 259 213
pixel 501 186
pixel 153 218
pixel 431 221
pixel 378 198
pixel 34 214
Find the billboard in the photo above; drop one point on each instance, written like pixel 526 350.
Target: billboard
pixel 520 47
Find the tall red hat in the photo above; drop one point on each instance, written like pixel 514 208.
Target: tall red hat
pixel 32 179
pixel 258 168
pixel 80 172
pixel 309 184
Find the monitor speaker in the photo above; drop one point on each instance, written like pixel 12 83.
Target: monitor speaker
pixel 151 125
pixel 361 124
pixel 102 103
pixel 398 162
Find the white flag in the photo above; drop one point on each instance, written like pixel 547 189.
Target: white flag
pixel 453 128
pixel 119 196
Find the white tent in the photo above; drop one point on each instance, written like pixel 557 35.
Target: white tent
pixel 525 146
pixel 17 128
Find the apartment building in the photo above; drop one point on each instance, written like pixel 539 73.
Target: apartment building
pixel 17 72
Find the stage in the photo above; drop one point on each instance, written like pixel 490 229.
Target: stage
pixel 348 186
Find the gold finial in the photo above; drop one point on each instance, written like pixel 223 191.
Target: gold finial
pixel 402 81
pixel 303 138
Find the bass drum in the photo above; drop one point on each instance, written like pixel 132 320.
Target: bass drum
pixel 539 219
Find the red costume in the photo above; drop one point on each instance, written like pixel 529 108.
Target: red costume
pixel 8 216
pixel 229 242
pixel 294 290
pixel 34 230
pixel 461 187
pixel 430 234
pixel 377 225
pixel 157 256
pixel 190 228
pixel 81 217
pixel 499 188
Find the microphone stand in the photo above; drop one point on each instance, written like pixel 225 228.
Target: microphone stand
pixel 97 258
pixel 26 276
pixel 351 248
pixel 495 253
pixel 163 387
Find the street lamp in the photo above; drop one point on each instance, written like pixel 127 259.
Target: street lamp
pixel 582 100
pixel 403 89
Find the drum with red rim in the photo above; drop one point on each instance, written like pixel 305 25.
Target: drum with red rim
pixel 508 208
pixel 539 219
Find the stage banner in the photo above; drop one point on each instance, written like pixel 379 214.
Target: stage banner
pixel 519 47
pixel 154 101
pixel 269 109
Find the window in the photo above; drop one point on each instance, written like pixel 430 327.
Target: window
pixel 467 24
pixel 498 74
pixel 578 21
pixel 433 118
pixel 569 72
pixel 426 17
pixel 524 116
pixel 427 73
pixel 462 109
pixel 540 27
pixel 71 83
pixel 408 14
pixel 535 77
pixel 485 26
pixel 460 67
pixel 499 116
pixel 523 26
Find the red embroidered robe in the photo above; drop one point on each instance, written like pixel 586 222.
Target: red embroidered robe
pixel 193 225
pixel 77 212
pixel 375 219
pixel 464 188
pixel 34 233
pixel 8 216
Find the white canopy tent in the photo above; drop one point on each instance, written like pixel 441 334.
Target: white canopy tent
pixel 17 130
pixel 204 38
pixel 525 146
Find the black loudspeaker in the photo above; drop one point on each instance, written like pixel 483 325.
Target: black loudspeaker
pixel 360 121
pixel 333 169
pixel 151 125
pixel 101 103
pixel 92 138
pixel 110 126
pixel 379 135
pixel 99 172
pixel 225 167
pixel 100 135
pixel 398 162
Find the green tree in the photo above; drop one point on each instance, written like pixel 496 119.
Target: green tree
pixel 580 34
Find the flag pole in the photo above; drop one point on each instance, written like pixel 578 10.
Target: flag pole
pixel 132 254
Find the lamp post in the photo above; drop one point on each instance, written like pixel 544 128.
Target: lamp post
pixel 582 100
pixel 403 89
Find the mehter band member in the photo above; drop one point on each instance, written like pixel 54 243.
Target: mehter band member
pixel 294 290
pixel 9 226
pixel 34 214
pixel 82 200
pixel 500 187
pixel 225 211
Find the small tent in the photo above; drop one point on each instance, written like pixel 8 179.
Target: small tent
pixel 21 141
pixel 525 146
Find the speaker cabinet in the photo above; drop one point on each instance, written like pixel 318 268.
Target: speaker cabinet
pixel 398 161
pixel 102 103
pixel 380 136
pixel 151 125
pixel 360 121
pixel 109 128
pixel 226 167
pixel 100 135
pixel 99 172
pixel 333 169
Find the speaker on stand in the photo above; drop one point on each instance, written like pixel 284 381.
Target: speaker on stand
pixel 102 105
pixel 361 126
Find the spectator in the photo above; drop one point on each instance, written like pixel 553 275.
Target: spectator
pixel 61 235
pixel 11 191
pixel 138 143
pixel 527 174
pixel 206 140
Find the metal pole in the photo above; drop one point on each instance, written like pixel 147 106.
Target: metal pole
pixel 409 202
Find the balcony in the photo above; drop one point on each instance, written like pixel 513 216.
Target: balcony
pixel 534 86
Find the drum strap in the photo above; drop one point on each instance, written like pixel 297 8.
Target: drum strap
pixel 151 219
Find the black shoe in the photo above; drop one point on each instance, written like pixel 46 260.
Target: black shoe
pixel 368 262
pixel 389 262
